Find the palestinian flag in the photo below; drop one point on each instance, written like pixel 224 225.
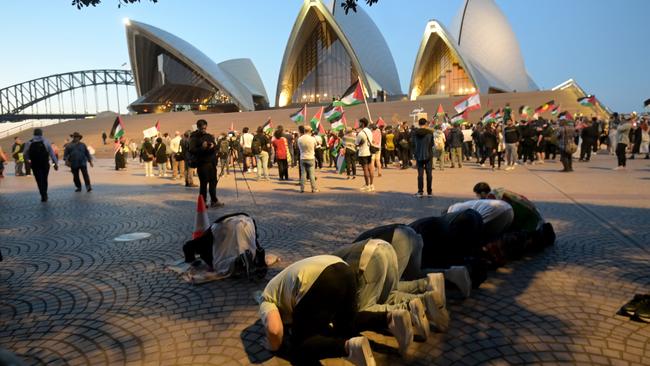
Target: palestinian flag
pixel 545 107
pixel 460 118
pixel 526 111
pixel 352 96
pixel 441 112
pixel 469 103
pixel 487 117
pixel 341 164
pixel 300 116
pixel 337 126
pixel 332 113
pixel 381 123
pixel 315 121
pixel 117 131
pixel 555 110
pixel 566 116
pixel 588 101
pixel 268 128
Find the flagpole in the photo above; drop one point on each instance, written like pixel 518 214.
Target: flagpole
pixel 365 101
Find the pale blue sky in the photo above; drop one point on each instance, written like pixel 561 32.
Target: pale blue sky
pixel 603 44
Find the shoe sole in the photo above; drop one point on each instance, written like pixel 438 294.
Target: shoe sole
pixel 438 317
pixel 437 281
pixel 402 322
pixel 419 318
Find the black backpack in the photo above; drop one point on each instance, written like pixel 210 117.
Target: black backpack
pixel 256 146
pixel 38 153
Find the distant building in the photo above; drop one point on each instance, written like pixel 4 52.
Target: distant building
pixel 479 52
pixel 170 74
pixel 328 50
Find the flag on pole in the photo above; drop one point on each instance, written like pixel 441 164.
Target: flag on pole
pixel 117 130
pixel 566 116
pixel 337 126
pixel 469 103
pixel 332 113
pixel 588 101
pixel 526 111
pixel 441 112
pixel 341 164
pixel 201 222
pixel 460 118
pixel 353 96
pixel 545 107
pixel 158 125
pixel 315 121
pixel 300 116
pixel 116 147
pixel 268 127
pixel 487 117
pixel 381 123
pixel 555 110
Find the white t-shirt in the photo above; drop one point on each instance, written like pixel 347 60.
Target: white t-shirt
pixel 467 135
pixel 307 145
pixel 175 144
pixel 364 137
pixel 489 209
pixel 288 287
pixel 246 140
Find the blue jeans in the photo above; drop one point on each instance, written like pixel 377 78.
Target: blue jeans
pixel 307 167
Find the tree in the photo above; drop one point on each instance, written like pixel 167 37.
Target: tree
pixel 347 5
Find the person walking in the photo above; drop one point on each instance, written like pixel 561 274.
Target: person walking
pixel 3 160
pixel 566 144
pixel 423 143
pixel 364 142
pixel 104 137
pixel 37 153
pixel 589 136
pixel 77 156
pixel 281 147
pixel 491 144
pixel 262 149
pixel 203 150
pixel 307 145
pixel 622 140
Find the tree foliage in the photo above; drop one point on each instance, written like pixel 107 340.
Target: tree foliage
pixel 347 5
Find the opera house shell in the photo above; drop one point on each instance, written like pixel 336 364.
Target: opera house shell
pixel 479 52
pixel 329 50
pixel 171 74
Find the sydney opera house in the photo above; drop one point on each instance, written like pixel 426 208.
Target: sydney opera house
pixel 327 50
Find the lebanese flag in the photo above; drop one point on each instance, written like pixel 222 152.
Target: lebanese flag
pixel 315 121
pixel 352 96
pixel 588 101
pixel 469 103
pixel 202 222
pixel 381 123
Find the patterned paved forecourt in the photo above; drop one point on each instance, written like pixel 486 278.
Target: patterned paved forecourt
pixel 71 295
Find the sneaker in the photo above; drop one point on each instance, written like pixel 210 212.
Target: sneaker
pixel 371 188
pixel 315 190
pixel 619 168
pixel 359 352
pixel 437 286
pixel 400 327
pixel 216 204
pixel 419 319
pixel 631 307
pixel 365 188
pixel 643 311
pixel 436 313
pixel 459 276
pixel 430 195
pixel 89 189
pixel 419 195
pixel 78 189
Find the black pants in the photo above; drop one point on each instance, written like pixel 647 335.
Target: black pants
pixel 405 157
pixel 424 166
pixel 567 160
pixel 351 162
pixel 467 150
pixel 201 246
pixel 620 153
pixel 585 149
pixel 528 152
pixel 207 173
pixel 283 169
pixel 75 176
pixel 490 153
pixel 40 175
pixel 551 150
pixel 28 168
pixel 327 316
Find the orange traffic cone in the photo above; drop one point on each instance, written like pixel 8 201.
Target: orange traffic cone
pixel 202 221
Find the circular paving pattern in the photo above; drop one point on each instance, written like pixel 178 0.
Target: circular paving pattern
pixel 71 295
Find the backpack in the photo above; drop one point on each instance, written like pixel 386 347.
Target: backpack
pixel 256 146
pixel 38 153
